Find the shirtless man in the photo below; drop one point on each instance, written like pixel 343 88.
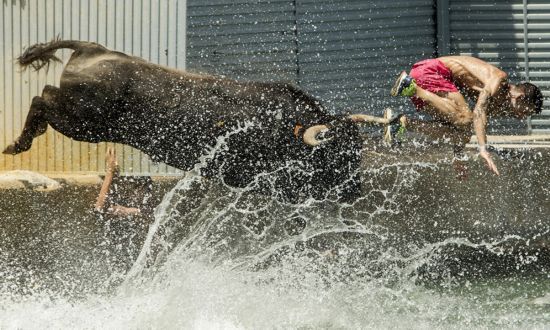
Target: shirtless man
pixel 438 87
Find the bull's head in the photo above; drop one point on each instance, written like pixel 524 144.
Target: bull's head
pixel 310 134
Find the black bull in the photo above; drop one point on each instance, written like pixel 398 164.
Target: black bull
pixel 239 131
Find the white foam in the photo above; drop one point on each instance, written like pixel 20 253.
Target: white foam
pixel 36 180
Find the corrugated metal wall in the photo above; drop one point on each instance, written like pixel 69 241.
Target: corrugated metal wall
pixel 511 34
pixel 345 52
pixel 538 41
pixel 243 39
pixel 350 51
pixel 152 29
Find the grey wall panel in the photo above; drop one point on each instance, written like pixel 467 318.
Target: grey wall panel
pixel 538 57
pixel 345 52
pixel 511 34
pixel 152 29
pixel 351 51
pixel 245 39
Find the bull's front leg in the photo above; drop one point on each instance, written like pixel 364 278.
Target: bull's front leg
pixel 35 124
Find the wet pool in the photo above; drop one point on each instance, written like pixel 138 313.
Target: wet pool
pixel 418 249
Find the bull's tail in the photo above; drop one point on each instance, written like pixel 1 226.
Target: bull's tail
pixel 40 55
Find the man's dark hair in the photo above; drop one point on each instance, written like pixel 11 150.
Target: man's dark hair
pixel 533 95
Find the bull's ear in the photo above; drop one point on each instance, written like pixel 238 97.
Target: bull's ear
pixel 310 135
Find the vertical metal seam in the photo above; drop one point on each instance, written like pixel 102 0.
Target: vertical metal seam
pixel 123 35
pixel 20 101
pixel 106 13
pixel 443 27
pixel 38 80
pixel 150 31
pixel 79 28
pixel 96 27
pixel 62 18
pixel 168 33
pixel 158 33
pixel 177 33
pixel 296 42
pixel 3 65
pixel 526 55
pixel 141 29
pixel 12 78
pixel 20 84
pixel 114 24
pixel 526 39
pixel 25 75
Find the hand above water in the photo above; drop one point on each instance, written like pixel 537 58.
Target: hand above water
pixel 110 160
pixel 483 153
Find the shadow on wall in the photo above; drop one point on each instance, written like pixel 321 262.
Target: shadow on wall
pixel 14 2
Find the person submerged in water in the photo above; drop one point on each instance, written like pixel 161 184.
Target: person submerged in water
pixel 125 208
pixel 439 87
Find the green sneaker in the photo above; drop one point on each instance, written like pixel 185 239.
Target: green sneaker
pixel 399 129
pixel 405 85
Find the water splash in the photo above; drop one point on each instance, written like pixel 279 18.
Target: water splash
pixel 222 257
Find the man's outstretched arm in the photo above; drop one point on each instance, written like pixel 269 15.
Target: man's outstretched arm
pixel 480 127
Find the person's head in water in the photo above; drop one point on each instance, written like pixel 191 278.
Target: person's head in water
pixel 525 100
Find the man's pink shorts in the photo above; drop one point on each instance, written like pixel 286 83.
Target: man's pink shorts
pixel 432 75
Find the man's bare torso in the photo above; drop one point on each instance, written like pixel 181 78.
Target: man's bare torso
pixel 469 72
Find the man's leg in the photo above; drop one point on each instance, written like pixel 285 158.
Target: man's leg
pixel 450 107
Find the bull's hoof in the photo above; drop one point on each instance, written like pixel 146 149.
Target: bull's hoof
pixel 16 148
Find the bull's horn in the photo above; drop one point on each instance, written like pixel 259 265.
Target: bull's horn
pixel 310 135
pixel 360 118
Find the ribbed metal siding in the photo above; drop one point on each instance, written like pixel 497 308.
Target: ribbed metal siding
pixel 494 31
pixel 538 39
pixel 350 51
pixel 243 39
pixel 152 29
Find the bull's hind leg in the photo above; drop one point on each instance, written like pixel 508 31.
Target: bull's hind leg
pixel 35 124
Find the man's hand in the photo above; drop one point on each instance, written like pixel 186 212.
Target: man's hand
pixel 488 160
